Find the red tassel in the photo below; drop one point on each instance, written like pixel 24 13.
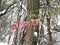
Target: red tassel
pixel 14 25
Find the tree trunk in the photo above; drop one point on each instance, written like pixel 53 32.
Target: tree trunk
pixel 0 4
pixel 50 42
pixel 49 33
pixel 32 8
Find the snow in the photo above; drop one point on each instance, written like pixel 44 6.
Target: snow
pixel 2 43
pixel 58 23
pixel 35 34
pixel 3 11
pixel 11 40
pixel 56 38
pixel 58 20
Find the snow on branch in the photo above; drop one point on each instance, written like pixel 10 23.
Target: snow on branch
pixel 6 10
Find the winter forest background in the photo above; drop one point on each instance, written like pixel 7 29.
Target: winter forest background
pixel 29 22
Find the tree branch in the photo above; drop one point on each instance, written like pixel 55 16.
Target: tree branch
pixel 6 10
